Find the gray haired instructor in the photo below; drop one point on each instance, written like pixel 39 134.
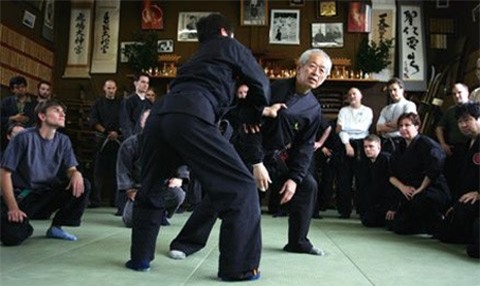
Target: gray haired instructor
pixel 280 156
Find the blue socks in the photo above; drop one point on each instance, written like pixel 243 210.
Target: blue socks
pixel 57 232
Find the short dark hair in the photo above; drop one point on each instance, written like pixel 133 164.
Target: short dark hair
pixel 210 26
pixel 398 81
pixel 16 80
pixel 415 118
pixel 43 82
pixel 43 106
pixel 137 76
pixel 468 109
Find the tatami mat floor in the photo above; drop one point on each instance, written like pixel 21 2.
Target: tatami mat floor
pixel 355 256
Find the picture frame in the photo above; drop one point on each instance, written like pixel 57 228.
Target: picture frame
pixel 284 27
pixel 29 19
pixel 165 46
pixel 253 12
pixel 326 8
pixel 297 3
pixel 123 47
pixel 412 61
pixel 152 15
pixel 476 13
pixel 442 4
pixel 327 35
pixel 187 30
pixel 359 17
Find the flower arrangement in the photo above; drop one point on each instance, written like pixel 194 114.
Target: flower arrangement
pixel 143 56
pixel 374 57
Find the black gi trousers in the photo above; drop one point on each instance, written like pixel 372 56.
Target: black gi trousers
pixel 105 175
pixel 453 167
pixel 44 202
pixel 300 207
pixel 171 140
pixel 421 214
pixel 194 234
pixel 457 225
pixel 348 169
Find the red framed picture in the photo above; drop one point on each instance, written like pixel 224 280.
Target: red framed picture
pixel 359 17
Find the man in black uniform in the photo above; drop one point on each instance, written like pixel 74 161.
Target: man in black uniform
pixel 105 119
pixel 285 146
pixel 294 128
pixel 461 221
pixel 132 107
pixel 199 94
pixel 376 194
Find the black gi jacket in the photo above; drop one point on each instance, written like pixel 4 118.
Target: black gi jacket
pixel 294 129
pixel 423 157
pixel 204 86
pixel 106 112
pixel 470 173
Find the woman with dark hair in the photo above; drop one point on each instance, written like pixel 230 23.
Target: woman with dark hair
pixel 416 173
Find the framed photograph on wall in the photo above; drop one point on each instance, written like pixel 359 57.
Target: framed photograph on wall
pixel 326 8
pixel 124 50
pixel 285 27
pixel 187 25
pixel 29 19
pixel 297 2
pixel 165 46
pixel 327 35
pixel 253 12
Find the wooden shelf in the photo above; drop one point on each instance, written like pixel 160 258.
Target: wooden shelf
pixel 352 80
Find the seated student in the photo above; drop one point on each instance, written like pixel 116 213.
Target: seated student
pixel 377 190
pixel 32 183
pixel 18 108
pixel 12 131
pixel 128 179
pixel 461 221
pixel 416 173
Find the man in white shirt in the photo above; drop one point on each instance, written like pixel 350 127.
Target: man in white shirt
pixel 387 121
pixel 353 126
pixel 475 95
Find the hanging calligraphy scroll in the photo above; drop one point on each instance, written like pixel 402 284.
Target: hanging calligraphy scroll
pixel 78 62
pixel 412 57
pixel 105 35
pixel 48 20
pixel 383 28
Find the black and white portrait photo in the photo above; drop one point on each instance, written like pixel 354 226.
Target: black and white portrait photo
pixel 253 12
pixel 165 46
pixel 327 35
pixel 187 25
pixel 285 27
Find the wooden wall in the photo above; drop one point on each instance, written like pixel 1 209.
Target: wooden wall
pixel 254 37
pixel 23 50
